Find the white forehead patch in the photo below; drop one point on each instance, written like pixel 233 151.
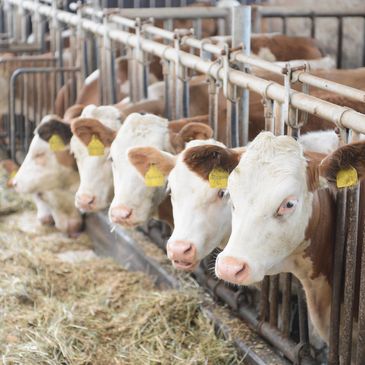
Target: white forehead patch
pixel 142 130
pixel 105 114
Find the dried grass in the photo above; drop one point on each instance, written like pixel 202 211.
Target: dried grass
pixel 92 312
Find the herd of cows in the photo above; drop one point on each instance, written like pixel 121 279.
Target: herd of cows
pixel 269 205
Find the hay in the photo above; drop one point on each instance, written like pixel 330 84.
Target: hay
pixel 92 311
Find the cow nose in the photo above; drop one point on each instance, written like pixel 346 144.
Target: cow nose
pixel 84 201
pixel 120 213
pixel 231 269
pixel 182 254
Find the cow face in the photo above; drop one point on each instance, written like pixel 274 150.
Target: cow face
pixel 202 215
pixel 44 168
pixel 134 202
pixel 96 181
pixel 272 195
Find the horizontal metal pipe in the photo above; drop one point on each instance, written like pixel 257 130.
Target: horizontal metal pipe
pixel 341 116
pixel 275 11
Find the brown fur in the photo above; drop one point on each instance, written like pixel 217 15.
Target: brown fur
pixel 66 158
pixel 165 212
pixel 286 48
pixel 203 159
pixel 54 126
pixel 343 158
pixel 143 157
pixel 73 112
pixel 188 133
pixel 155 107
pixel 313 160
pixel 85 128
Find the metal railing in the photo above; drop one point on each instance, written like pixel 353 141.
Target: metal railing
pixel 290 13
pixel 274 316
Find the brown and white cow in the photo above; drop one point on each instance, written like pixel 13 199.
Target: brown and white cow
pixel 96 182
pixel 202 215
pixel 134 203
pixel 284 215
pixel 52 176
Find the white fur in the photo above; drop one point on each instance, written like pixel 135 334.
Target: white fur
pixel 129 187
pixel 56 183
pixel 200 216
pixel 95 171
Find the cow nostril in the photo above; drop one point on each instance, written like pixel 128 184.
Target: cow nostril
pixel 240 271
pixel 187 250
pixel 92 199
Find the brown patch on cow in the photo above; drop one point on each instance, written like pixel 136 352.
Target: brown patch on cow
pixel 313 159
pixel 189 132
pixel 54 126
pixel 203 159
pixel 85 128
pixel 143 157
pixel 67 159
pixel 165 212
pixel 320 231
pixel 286 48
pixel 72 112
pixel 351 155
pixel 155 107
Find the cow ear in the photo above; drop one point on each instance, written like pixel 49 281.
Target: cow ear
pixel 345 166
pixel 188 133
pixel 203 159
pixel 72 112
pixel 142 158
pixel 53 126
pixel 86 128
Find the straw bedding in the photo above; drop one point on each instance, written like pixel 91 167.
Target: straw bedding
pixel 60 304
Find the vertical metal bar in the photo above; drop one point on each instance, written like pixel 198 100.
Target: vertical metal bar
pixel 285 308
pixel 313 25
pixel 279 118
pixel 269 114
pixel 213 105
pixel 264 299
pixel 339 41
pixel 360 351
pixel 338 261
pixel 349 289
pixel 12 116
pixel 284 29
pixel 274 292
pixel 303 317
pixel 363 44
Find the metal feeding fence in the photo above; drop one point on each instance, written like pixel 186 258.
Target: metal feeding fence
pixel 277 308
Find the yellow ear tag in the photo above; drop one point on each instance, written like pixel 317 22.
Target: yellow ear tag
pixel 154 177
pixel 11 177
pixel 218 178
pixel 56 143
pixel 95 147
pixel 346 178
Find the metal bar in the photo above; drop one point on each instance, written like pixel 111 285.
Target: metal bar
pixel 285 308
pixel 338 261
pixel 360 353
pixel 264 299
pixel 273 295
pixel 339 42
pixel 349 287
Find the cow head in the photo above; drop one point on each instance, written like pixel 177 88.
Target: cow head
pixel 96 181
pixel 202 216
pixel 134 202
pixel 45 167
pixel 272 191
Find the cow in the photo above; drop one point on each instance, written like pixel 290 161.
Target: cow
pixel 49 172
pixel 202 215
pixel 133 201
pixel 96 188
pixel 283 214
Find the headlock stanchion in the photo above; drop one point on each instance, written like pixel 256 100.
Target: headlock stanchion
pixel 100 39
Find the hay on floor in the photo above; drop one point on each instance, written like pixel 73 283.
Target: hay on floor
pixel 92 311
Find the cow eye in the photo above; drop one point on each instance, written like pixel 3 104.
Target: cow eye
pixel 39 155
pixel 221 193
pixel 287 206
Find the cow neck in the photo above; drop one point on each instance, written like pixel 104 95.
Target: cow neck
pixel 312 262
